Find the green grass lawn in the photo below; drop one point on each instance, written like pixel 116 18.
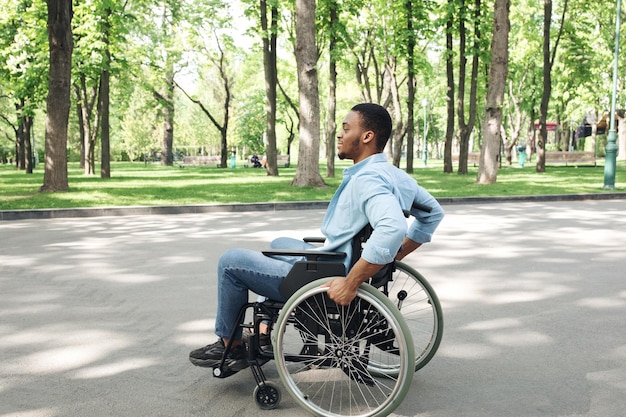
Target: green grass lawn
pixel 154 185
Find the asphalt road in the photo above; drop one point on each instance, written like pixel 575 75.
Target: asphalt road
pixel 97 315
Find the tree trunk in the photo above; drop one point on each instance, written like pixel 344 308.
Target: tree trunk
pixel 89 130
pixel 447 152
pixel 271 80
pixel 331 126
pixel 490 152
pixel 27 125
pixel 21 139
pixel 58 101
pixel 104 103
pixel 167 154
pixel 466 128
pixel 399 129
pixel 307 173
pixel 105 143
pixel 547 88
pixel 81 127
pixel 410 124
pixel 548 63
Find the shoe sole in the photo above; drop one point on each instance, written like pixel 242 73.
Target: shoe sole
pixel 204 363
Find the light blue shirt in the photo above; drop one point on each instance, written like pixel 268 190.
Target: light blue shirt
pixel 376 192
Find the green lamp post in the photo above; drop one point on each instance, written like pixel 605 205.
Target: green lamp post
pixel 611 146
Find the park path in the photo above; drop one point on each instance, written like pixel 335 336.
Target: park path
pixel 97 315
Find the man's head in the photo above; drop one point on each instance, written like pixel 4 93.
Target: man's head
pixel 365 131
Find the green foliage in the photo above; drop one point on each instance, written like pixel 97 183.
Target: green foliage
pixel 24 53
pixel 250 122
pixel 140 134
pixel 6 153
pixel 151 40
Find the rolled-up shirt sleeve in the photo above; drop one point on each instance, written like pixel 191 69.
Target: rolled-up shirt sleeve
pixel 385 215
pixel 423 227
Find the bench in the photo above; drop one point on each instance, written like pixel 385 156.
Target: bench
pixel 281 160
pixel 472 158
pixel 573 158
pixel 203 160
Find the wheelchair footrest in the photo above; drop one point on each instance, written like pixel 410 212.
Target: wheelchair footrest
pixel 223 372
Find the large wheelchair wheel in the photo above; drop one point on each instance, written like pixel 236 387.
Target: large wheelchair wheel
pixel 323 352
pixel 420 307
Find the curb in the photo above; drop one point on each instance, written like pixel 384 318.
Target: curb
pixel 6 215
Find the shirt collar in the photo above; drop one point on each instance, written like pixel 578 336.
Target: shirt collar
pixel 352 170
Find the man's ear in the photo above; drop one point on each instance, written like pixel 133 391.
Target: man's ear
pixel 369 136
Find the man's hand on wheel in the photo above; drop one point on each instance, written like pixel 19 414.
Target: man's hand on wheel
pixel 340 290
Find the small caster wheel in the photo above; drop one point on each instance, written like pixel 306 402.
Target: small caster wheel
pixel 267 396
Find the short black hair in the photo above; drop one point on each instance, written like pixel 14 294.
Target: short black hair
pixel 376 118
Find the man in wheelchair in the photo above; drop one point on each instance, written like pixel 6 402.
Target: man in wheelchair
pixel 373 192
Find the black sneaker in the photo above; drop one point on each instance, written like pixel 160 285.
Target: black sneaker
pixel 264 340
pixel 211 355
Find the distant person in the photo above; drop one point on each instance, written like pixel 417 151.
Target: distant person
pixel 254 160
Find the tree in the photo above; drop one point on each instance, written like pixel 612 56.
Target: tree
pixel 220 62
pixel 467 126
pixel 386 60
pixel 410 61
pixel 58 101
pixel 523 72
pixel 171 16
pixel 160 52
pixel 104 99
pixel 23 70
pixel 139 126
pixel 86 75
pixel 449 55
pixel 100 53
pixel 269 35
pixel 250 121
pixel 548 63
pixel 490 152
pixel 307 173
pixel 333 27
pixel 374 61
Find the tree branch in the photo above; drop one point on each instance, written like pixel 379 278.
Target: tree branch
pixel 289 101
pixel 558 38
pixel 6 119
pixel 202 107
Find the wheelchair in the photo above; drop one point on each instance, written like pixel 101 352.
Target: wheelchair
pixel 355 360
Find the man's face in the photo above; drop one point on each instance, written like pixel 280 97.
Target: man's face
pixel 349 138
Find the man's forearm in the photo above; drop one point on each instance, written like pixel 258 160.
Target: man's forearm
pixel 361 272
pixel 407 247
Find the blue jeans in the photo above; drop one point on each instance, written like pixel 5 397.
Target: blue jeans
pixel 240 270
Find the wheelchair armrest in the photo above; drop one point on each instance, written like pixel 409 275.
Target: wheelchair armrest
pixel 418 206
pixel 315 239
pixel 311 255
